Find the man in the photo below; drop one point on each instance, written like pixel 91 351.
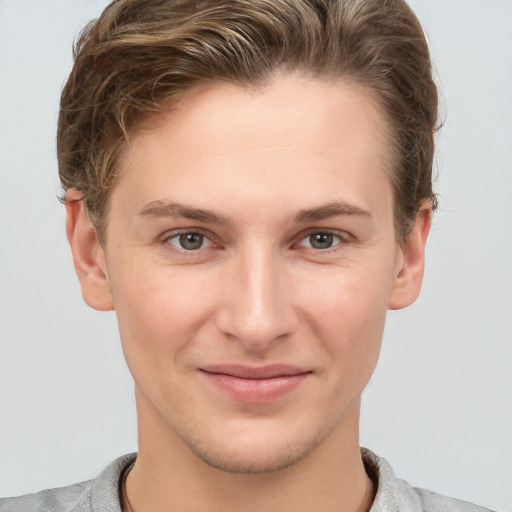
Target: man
pixel 248 185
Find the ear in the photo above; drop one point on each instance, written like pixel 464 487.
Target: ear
pixel 88 256
pixel 411 261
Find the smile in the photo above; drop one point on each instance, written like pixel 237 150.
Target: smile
pixel 255 385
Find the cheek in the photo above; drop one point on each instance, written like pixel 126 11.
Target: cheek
pixel 346 312
pixel 350 297
pixel 159 310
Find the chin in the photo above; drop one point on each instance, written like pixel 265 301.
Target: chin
pixel 265 453
pixel 252 463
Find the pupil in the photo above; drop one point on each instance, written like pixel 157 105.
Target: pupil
pixel 191 241
pixel 321 240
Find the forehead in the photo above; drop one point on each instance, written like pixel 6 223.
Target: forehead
pixel 287 104
pixel 291 135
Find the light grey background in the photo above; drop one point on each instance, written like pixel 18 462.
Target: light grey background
pixel 439 406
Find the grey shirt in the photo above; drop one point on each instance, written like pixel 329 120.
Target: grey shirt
pixel 102 493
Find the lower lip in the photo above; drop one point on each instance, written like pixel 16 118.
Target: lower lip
pixel 257 391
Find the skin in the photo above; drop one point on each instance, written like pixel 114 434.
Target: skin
pixel 296 264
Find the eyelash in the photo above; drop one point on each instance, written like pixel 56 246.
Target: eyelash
pixel 343 238
pixel 178 234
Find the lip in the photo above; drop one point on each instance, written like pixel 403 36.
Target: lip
pixel 262 384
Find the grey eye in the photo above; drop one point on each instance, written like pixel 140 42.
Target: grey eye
pixel 188 241
pixel 321 240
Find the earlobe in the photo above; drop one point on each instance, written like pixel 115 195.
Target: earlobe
pixel 407 284
pixel 88 255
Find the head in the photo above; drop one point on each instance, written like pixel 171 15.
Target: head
pixel 248 184
pixel 139 58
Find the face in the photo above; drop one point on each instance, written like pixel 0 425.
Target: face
pixel 250 256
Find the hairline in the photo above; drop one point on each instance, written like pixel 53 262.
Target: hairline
pixel 151 121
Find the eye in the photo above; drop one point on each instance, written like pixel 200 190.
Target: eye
pixel 190 241
pixel 321 240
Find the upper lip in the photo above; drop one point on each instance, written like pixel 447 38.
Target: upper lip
pixel 255 372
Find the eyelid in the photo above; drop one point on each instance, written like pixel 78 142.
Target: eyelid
pixel 343 236
pixel 168 235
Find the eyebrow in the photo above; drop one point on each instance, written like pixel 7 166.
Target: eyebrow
pixel 330 210
pixel 165 209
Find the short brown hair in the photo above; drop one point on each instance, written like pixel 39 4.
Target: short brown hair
pixel 140 55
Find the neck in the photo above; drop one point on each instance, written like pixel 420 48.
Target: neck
pixel 168 476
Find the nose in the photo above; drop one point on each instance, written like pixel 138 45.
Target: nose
pixel 257 309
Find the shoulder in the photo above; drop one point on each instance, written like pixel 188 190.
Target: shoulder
pixel 63 499
pixel 98 495
pixel 433 502
pixel 399 496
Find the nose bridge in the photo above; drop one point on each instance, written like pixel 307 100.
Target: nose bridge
pixel 257 310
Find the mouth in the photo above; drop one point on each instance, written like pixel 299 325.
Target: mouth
pixel 263 384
